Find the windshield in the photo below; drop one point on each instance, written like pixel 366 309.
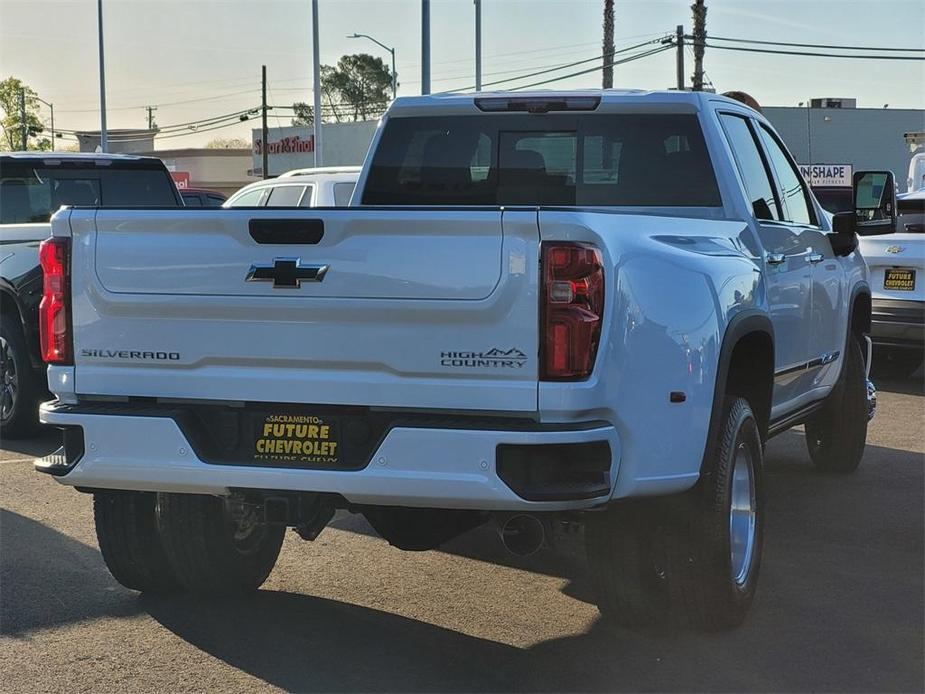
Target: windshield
pixel 30 194
pixel 552 159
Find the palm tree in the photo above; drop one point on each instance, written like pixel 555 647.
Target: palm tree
pixel 608 44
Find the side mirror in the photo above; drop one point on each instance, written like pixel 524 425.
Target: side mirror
pixel 844 237
pixel 875 202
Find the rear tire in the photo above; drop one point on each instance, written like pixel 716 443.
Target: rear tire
pixel 714 547
pixel 627 568
pixel 126 529
pixel 209 552
pixel 20 387
pixel 837 435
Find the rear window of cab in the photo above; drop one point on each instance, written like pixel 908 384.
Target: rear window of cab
pixel 30 194
pixel 550 159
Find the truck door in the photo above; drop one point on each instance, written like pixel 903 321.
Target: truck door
pixel 787 268
pixel 828 325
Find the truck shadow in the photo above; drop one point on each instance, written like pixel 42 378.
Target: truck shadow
pixel 48 579
pixel 898 371
pixel 46 441
pixel 839 608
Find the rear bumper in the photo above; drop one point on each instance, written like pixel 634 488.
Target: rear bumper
pixel 898 322
pixel 412 466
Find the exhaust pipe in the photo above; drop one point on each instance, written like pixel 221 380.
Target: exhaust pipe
pixel 521 534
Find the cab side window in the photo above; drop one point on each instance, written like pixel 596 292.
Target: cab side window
pixel 758 184
pixel 797 208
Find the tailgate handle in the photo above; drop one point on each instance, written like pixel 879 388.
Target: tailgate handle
pixel 286 231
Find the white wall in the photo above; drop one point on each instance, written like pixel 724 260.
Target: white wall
pixel 344 144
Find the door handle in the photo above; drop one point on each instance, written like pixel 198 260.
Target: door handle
pixel 815 258
pixel 776 258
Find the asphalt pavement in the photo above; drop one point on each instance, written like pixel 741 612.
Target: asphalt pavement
pixel 839 604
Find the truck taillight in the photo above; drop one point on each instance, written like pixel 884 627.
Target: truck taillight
pixel 54 311
pixel 572 310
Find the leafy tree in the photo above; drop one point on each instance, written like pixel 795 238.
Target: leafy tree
pixel 304 114
pixel 361 85
pixel 11 124
pixel 228 143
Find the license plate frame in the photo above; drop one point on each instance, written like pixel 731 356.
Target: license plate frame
pixel 296 439
pixel 899 279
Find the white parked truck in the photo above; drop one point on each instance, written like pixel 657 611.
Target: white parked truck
pixel 542 308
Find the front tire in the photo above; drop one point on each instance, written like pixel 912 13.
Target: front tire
pixel 211 553
pixel 126 529
pixel 837 435
pixel 20 388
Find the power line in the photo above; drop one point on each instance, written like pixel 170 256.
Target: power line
pixel 564 66
pixel 644 54
pixel 164 103
pixel 190 125
pixel 818 45
pixel 811 54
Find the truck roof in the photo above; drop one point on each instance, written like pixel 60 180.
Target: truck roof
pixel 610 99
pixel 78 159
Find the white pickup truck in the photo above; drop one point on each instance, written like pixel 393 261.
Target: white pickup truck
pixel 539 309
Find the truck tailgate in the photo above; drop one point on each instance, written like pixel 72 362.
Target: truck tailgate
pixel 414 308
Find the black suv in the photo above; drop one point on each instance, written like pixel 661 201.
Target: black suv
pixel 33 185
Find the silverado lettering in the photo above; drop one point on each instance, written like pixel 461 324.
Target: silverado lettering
pixel 129 354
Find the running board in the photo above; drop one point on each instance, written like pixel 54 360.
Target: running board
pixel 782 424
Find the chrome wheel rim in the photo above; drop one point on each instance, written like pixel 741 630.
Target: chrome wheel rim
pixel 9 381
pixel 742 515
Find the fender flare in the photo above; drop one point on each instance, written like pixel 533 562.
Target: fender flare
pixel 741 324
pixel 861 287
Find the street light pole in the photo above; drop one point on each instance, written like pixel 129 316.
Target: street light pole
pixel 390 50
pixel 51 107
pixel 425 46
pixel 316 86
pixel 478 45
pixel 104 138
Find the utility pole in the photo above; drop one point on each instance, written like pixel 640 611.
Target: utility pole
pixel 425 46
pixel 51 107
pixel 699 8
pixel 679 42
pixel 23 125
pixel 151 110
pixel 104 137
pixel 608 47
pixel 478 45
pixel 263 111
pixel 316 87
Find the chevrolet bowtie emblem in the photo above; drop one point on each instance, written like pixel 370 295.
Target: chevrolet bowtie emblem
pixel 895 249
pixel 286 273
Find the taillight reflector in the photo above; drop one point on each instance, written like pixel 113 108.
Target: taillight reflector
pixel 572 310
pixel 54 311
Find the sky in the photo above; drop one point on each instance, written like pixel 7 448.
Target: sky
pixel 196 59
